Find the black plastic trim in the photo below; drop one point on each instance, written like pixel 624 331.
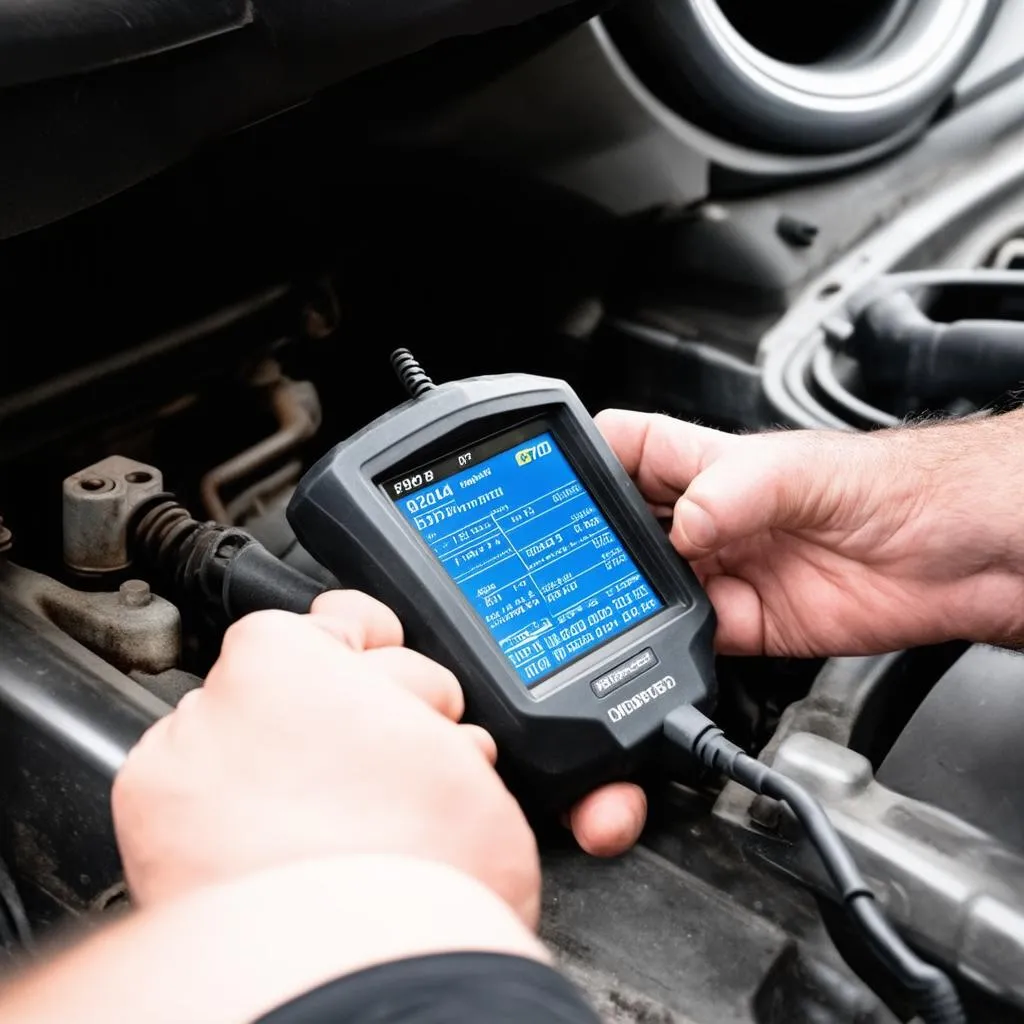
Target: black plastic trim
pixel 42 39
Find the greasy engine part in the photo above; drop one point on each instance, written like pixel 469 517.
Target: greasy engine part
pixel 952 888
pixel 955 889
pixel 67 722
pixel 98 502
pixel 296 407
pixel 223 568
pixel 654 942
pixel 133 629
pixel 961 750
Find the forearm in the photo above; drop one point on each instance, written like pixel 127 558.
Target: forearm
pixel 231 953
pixel 962 485
pixel 969 476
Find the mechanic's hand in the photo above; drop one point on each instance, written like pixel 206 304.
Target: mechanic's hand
pixel 815 543
pixel 819 543
pixel 314 736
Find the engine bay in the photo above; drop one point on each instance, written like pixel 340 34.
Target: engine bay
pixel 211 332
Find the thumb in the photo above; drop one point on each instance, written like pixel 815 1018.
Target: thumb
pixel 767 481
pixel 660 453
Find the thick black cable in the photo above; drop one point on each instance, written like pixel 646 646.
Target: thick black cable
pixel 935 996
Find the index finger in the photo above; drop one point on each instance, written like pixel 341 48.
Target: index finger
pixel 356 619
pixel 660 453
pixel 416 673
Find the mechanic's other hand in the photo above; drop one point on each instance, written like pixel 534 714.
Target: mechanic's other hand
pixel 316 736
pixel 609 821
pixel 828 543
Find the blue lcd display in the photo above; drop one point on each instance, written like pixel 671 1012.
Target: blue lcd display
pixel 529 548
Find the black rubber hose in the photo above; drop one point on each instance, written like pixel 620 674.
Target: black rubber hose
pixel 253 580
pixel 222 567
pixel 900 348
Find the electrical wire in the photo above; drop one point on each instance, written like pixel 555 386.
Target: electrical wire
pixel 937 1000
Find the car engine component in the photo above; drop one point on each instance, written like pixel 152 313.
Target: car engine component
pixel 98 502
pixel 67 720
pixel 900 348
pixel 951 887
pixel 132 628
pixel 846 79
pixel 960 751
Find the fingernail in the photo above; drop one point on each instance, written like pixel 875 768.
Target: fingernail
pixel 697 526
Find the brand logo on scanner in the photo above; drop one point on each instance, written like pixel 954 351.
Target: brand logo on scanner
pixel 641 699
pixel 536 451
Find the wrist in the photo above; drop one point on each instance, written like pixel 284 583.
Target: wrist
pixel 249 945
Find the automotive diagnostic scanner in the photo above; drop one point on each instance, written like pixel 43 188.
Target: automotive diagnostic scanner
pixel 493 518
pixel 491 515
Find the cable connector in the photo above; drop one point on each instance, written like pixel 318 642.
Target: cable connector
pixel 692 731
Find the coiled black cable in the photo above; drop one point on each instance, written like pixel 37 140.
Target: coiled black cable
pixel 408 370
pixel 937 1000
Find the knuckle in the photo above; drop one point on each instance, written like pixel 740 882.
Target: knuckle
pixel 189 702
pixel 258 628
pixel 356 604
pixel 408 667
pixel 450 693
pixel 334 604
pixel 346 601
pixel 442 677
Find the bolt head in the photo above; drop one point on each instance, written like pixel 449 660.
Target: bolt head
pixel 135 593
